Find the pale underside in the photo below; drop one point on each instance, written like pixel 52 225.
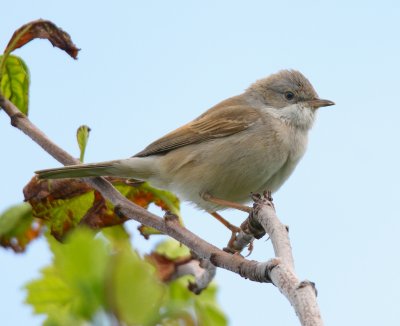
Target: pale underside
pixel 259 154
pixel 230 151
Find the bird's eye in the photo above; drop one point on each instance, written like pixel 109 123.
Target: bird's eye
pixel 289 96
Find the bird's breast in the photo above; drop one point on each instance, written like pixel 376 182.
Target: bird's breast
pixel 294 144
pixel 261 158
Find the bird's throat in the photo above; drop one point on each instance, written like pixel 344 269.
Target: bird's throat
pixel 295 115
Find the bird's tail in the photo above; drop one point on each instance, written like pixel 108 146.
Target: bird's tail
pixel 134 167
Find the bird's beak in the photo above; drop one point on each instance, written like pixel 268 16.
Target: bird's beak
pixel 317 103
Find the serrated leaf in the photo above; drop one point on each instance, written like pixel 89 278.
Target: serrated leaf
pixel 135 294
pixel 73 287
pixel 82 263
pixel 14 81
pixel 49 292
pixel 71 291
pixel 51 296
pixel 82 136
pixel 18 227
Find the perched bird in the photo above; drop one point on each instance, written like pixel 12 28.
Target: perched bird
pixel 247 143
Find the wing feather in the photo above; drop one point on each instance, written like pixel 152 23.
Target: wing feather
pixel 219 121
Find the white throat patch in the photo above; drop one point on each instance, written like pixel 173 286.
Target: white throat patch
pixel 297 115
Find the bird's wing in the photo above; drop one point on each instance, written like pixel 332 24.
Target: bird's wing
pixel 214 123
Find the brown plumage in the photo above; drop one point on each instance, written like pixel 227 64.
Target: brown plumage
pixel 247 143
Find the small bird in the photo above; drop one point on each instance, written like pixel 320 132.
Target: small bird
pixel 247 143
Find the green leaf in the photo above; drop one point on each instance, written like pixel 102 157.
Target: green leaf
pixel 116 234
pixel 18 227
pixel 207 309
pixel 180 301
pixel 64 214
pixel 90 282
pixel 82 262
pixel 205 305
pixel 82 136
pixel 209 314
pixel 135 294
pixel 14 81
pixel 172 249
pixel 49 293
pixel 72 289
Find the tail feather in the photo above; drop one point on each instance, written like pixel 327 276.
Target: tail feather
pixel 78 171
pixel 140 168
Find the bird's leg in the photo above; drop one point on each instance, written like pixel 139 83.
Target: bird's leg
pixel 230 226
pixel 234 229
pixel 226 203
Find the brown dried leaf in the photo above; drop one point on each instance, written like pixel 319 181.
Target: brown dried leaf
pixel 67 203
pixel 143 194
pixel 100 215
pixel 43 29
pixel 62 203
pixel 38 190
pixel 166 266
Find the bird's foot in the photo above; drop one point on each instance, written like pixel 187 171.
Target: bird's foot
pixel 233 228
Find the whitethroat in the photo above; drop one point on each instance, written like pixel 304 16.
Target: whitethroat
pixel 247 143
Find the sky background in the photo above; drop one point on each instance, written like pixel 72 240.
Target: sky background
pixel 148 67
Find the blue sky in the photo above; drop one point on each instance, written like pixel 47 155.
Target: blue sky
pixel 148 67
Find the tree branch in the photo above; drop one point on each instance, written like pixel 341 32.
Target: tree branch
pixel 202 270
pixel 301 294
pixel 264 215
pixel 278 270
pixel 168 226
